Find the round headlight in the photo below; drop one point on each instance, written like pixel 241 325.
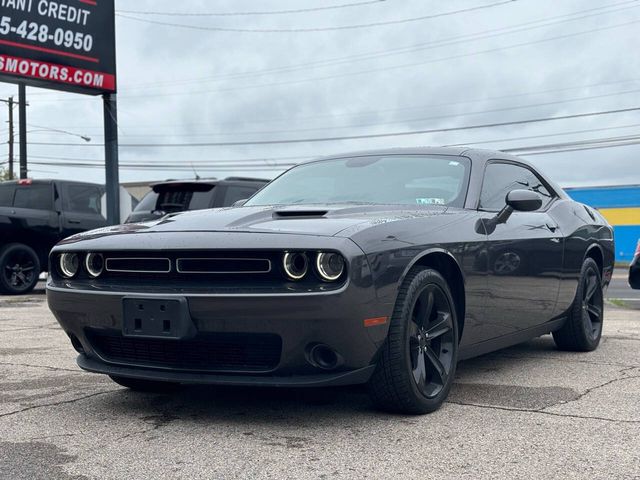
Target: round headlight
pixel 94 263
pixel 295 265
pixel 69 264
pixel 330 266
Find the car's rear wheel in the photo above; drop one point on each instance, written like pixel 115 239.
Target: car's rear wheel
pixel 140 385
pixel 19 269
pixel 418 361
pixel 583 328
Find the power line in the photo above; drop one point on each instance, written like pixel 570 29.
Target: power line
pixel 594 147
pixel 585 144
pixel 531 137
pixel 237 14
pixel 317 29
pixel 408 49
pixel 362 113
pixel 357 137
pixel 368 71
pixel 392 122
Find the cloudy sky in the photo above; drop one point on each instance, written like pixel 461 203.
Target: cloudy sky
pixel 362 68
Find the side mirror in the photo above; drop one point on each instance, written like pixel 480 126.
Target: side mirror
pixel 523 200
pixel 516 200
pixel 239 203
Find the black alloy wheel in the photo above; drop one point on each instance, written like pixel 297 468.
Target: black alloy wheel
pixel 431 340
pixel 19 269
pixel 418 361
pixel 583 328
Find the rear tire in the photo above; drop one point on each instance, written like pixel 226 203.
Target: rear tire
pixel 19 269
pixel 140 385
pixel 418 360
pixel 583 328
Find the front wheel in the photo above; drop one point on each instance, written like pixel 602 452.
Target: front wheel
pixel 140 385
pixel 19 269
pixel 583 328
pixel 418 361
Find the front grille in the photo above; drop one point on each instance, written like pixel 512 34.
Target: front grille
pixel 210 352
pixel 223 265
pixel 138 265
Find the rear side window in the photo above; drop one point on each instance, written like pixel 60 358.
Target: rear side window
pixel 235 193
pixel 501 178
pixel 6 195
pixel 83 199
pixel 177 200
pixel 37 197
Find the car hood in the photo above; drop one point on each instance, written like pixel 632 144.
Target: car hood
pixel 317 220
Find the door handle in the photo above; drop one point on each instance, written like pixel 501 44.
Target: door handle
pixel 552 227
pixel 75 222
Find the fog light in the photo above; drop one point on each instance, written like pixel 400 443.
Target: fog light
pixel 94 263
pixel 295 265
pixel 69 264
pixel 330 266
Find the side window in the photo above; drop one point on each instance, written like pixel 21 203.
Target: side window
pixel 83 199
pixel 37 197
pixel 6 195
pixel 235 193
pixel 501 178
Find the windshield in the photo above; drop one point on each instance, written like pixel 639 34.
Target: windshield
pixel 389 179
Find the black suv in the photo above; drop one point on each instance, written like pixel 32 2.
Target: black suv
pixel 179 195
pixel 34 216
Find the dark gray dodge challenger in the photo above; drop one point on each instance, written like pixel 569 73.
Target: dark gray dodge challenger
pixel 383 267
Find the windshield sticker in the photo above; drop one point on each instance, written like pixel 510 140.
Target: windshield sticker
pixel 430 201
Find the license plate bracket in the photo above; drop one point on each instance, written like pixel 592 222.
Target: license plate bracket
pixel 156 318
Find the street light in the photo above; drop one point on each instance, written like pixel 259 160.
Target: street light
pixel 40 128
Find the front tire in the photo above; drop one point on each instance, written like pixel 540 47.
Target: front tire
pixel 140 385
pixel 418 360
pixel 19 269
pixel 583 328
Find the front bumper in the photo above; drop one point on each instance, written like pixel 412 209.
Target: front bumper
pixel 335 319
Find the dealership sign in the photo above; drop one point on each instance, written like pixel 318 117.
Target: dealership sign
pixel 60 44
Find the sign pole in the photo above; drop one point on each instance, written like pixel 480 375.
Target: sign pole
pixel 22 127
pixel 11 134
pixel 111 158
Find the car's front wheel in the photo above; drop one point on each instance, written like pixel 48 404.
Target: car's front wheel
pixel 418 361
pixel 583 329
pixel 140 385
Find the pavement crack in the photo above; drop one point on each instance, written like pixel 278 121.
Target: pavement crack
pixel 544 412
pixel 45 367
pixel 55 404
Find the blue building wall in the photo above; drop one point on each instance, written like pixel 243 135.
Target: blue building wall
pixel 620 205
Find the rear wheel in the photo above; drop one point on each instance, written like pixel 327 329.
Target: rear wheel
pixel 140 385
pixel 19 269
pixel 583 328
pixel 418 361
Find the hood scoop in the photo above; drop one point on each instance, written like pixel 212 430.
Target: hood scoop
pixel 294 213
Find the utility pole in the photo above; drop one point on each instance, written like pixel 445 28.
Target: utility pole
pixel 10 103
pixel 22 108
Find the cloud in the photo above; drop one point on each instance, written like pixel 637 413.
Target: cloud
pixel 178 85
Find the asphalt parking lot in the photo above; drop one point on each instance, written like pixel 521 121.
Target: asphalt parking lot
pixel 524 412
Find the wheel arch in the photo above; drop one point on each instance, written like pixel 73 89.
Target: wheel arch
pixel 446 264
pixel 594 252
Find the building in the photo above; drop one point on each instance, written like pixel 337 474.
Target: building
pixel 620 205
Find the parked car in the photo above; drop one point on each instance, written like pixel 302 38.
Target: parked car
pixel 383 267
pixel 179 195
pixel 34 216
pixel 634 269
